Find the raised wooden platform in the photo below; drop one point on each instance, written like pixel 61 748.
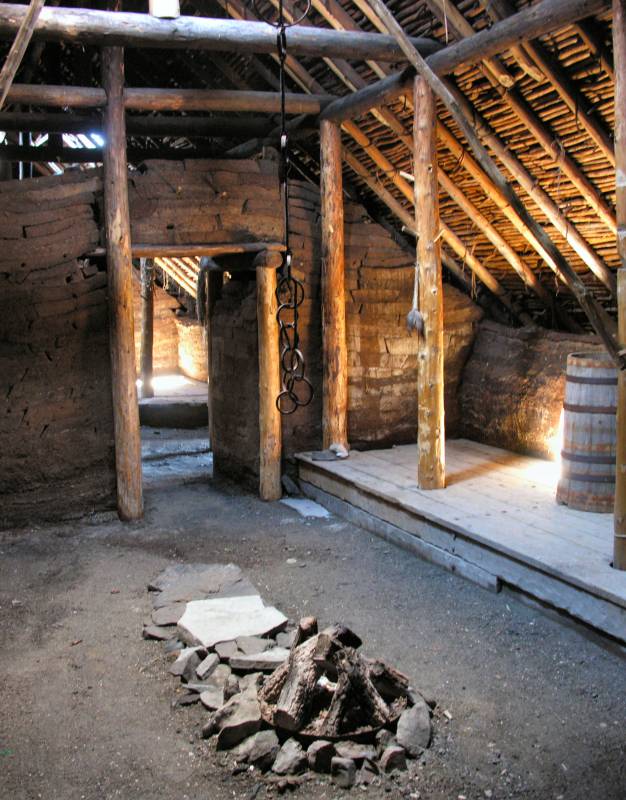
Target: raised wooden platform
pixel 496 521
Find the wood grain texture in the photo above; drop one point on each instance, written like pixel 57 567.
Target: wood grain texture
pixel 270 436
pixel 588 455
pixel 138 99
pixel 516 532
pixel 119 266
pixel 18 48
pixel 335 401
pixel 88 26
pixel 430 420
pixel 619 49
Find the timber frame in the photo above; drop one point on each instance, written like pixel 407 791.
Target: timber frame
pixel 458 146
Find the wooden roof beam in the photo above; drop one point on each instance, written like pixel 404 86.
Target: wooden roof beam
pixel 526 274
pixel 558 78
pixel 393 86
pixel 523 270
pixel 408 222
pixel 90 26
pixel 168 99
pixel 589 36
pixel 189 127
pixel 541 198
pixel 603 324
pixel 452 17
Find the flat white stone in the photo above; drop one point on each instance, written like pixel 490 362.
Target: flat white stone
pixel 207 622
pixel 264 662
pixel 306 508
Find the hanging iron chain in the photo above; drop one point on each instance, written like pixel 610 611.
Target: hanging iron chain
pixel 296 389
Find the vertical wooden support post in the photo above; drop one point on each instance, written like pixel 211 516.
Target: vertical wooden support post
pixel 619 50
pixel 119 265
pixel 147 326
pixel 214 290
pixel 430 418
pixel 270 435
pixel 335 400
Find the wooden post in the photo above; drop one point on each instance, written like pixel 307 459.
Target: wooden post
pixel 431 472
pixel 147 326
pixel 619 50
pixel 214 290
pixel 335 401
pixel 119 265
pixel 270 435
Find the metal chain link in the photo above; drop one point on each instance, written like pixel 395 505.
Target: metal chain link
pixel 297 390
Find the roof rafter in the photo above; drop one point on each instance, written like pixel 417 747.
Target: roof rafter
pixel 525 273
pixel 570 234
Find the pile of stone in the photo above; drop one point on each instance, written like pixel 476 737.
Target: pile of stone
pixel 285 701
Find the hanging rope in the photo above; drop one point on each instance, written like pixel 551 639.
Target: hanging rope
pixel 296 389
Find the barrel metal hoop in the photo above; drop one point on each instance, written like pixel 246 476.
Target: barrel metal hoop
pixel 574 476
pixel 587 459
pixel 591 381
pixel 590 409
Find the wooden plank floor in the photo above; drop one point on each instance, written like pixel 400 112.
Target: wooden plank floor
pixel 500 500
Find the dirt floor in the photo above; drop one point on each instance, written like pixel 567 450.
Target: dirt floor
pixel 534 709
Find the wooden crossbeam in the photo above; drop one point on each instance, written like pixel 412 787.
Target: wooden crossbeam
pixel 187 126
pixel 451 16
pixel 90 26
pixel 165 250
pixel 168 99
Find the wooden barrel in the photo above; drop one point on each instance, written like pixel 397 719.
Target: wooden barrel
pixel 588 456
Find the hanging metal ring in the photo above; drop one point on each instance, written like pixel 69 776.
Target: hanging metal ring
pixel 275 23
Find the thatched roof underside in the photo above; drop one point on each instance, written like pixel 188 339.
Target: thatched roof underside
pixel 581 54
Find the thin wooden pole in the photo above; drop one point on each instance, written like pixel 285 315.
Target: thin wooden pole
pixel 18 48
pixel 335 401
pixel 270 436
pixel 147 326
pixel 619 50
pixel 119 265
pixel 431 473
